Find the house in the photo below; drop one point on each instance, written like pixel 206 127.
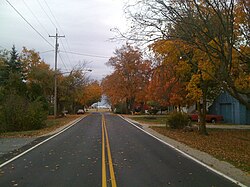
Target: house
pixel 231 109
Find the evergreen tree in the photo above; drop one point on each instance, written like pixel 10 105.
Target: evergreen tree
pixel 15 83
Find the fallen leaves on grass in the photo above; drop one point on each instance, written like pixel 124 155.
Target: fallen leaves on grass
pixel 232 146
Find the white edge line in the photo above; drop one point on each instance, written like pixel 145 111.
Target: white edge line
pixel 187 155
pixel 30 149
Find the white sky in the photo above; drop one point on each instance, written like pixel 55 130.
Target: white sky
pixel 86 25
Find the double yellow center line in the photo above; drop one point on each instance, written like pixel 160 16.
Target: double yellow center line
pixel 110 163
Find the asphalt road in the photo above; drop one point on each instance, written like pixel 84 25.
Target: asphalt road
pixel 80 157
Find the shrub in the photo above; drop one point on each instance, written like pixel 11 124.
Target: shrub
pixel 178 120
pixel 19 114
pixel 36 116
pixel 13 113
pixel 153 111
pixel 120 108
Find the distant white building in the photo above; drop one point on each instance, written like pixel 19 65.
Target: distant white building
pixel 102 104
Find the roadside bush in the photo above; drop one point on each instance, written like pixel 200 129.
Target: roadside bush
pixel 120 108
pixel 19 114
pixel 153 111
pixel 36 116
pixel 177 120
pixel 12 113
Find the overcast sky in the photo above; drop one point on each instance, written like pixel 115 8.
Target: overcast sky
pixel 86 25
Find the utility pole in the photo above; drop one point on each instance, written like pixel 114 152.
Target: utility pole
pixel 55 78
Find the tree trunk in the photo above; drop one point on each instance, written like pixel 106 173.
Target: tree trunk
pixel 130 105
pixel 142 108
pixel 202 117
pixel 127 106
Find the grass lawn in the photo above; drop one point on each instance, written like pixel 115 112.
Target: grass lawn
pixel 161 119
pixel 150 119
pixel 51 125
pixel 232 146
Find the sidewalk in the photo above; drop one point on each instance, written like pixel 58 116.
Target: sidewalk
pixel 214 126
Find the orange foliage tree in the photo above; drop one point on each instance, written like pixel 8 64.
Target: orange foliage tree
pixel 128 82
pixel 92 93
pixel 170 76
pixel 215 31
pixel 219 29
pixel 39 75
pixel 182 80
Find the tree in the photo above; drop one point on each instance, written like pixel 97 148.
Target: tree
pixel 219 29
pixel 71 88
pixel 170 75
pixel 19 111
pixel 182 83
pixel 4 73
pixel 14 64
pixel 112 87
pixel 91 94
pixel 39 75
pixel 13 74
pixel 129 80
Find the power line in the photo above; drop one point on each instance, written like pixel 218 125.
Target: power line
pixel 53 23
pixel 66 53
pixel 46 14
pixel 46 51
pixel 4 46
pixel 51 13
pixel 77 53
pixel 29 24
pixel 84 54
pixel 60 29
pixel 62 61
pixel 35 17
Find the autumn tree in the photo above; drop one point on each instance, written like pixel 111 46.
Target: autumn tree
pixel 39 76
pixel 71 87
pixel 115 94
pixel 170 75
pixel 184 81
pixel 92 93
pixel 18 110
pixel 219 29
pixel 129 80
